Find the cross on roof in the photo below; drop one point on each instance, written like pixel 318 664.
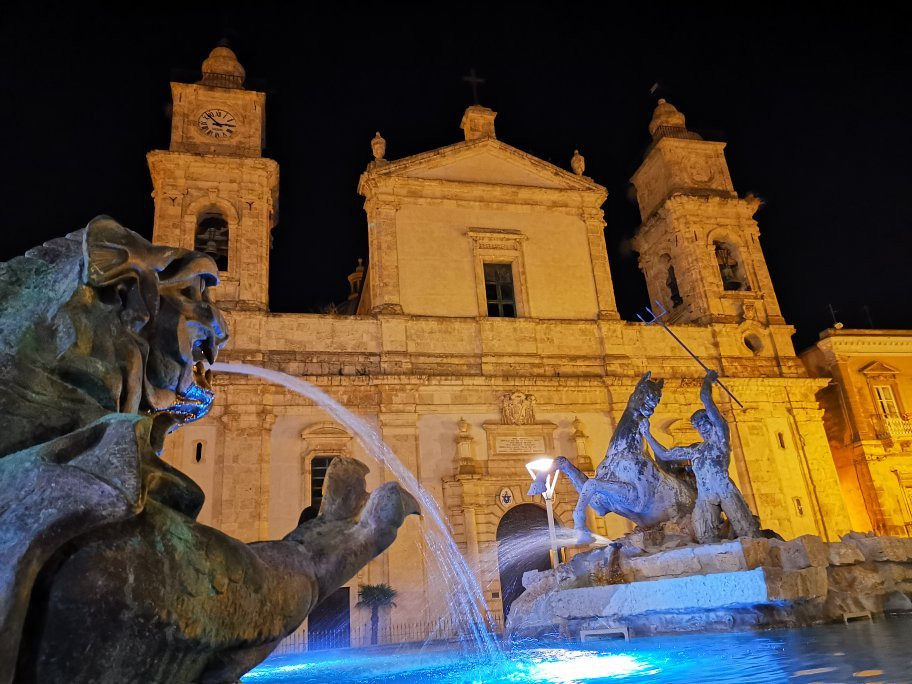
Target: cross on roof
pixel 474 81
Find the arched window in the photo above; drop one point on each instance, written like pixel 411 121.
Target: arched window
pixel 730 267
pixel 212 238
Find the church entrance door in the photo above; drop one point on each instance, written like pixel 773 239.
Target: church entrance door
pixel 523 544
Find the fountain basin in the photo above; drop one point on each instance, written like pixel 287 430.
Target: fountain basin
pixel 859 651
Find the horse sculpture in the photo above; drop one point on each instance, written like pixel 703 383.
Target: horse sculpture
pixel 627 481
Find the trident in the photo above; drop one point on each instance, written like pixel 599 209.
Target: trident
pixel 657 318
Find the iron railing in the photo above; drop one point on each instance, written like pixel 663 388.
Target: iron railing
pixel 360 636
pixel 896 427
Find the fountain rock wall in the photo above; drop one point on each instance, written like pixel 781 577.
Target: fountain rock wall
pixel 745 583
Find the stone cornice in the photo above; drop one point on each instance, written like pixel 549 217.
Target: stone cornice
pixel 682 202
pixel 438 191
pixel 159 158
pixel 864 342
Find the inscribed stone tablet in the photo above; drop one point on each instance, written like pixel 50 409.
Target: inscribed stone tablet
pixel 519 445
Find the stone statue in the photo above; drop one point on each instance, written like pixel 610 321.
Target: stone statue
pixel 627 481
pixel 578 163
pixel 716 493
pixel 378 146
pixel 105 575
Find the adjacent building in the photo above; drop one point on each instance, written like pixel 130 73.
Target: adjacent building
pixel 868 420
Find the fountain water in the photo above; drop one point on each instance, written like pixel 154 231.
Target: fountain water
pixel 465 597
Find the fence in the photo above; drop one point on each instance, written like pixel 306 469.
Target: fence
pixel 359 636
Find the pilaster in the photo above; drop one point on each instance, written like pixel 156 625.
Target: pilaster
pixel 601 270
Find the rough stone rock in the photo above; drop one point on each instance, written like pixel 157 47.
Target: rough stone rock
pixel 756 551
pixel 880 548
pixel 665 564
pixel 804 552
pixel 843 553
pixel 748 583
pixel 857 579
pixel 721 557
pixel 796 585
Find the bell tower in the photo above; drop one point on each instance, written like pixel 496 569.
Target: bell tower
pixel 698 241
pixel 214 191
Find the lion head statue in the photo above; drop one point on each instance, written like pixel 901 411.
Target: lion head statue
pixel 102 321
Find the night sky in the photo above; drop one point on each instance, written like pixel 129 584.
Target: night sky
pixel 814 108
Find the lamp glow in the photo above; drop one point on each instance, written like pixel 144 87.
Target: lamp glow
pixel 538 469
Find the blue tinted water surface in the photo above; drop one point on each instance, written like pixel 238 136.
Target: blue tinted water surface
pixel 871 652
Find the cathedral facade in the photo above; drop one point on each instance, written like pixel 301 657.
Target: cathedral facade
pixel 485 335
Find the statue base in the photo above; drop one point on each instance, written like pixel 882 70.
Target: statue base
pixel 739 584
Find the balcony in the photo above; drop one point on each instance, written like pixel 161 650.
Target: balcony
pixel 895 427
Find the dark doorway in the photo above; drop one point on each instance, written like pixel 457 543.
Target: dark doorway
pixel 523 544
pixel 329 625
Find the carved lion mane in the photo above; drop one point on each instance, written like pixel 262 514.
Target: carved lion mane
pixel 103 321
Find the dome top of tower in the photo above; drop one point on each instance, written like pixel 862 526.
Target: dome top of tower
pixel 222 68
pixel 668 121
pixel 665 114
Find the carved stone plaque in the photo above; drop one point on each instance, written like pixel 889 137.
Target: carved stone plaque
pixel 519 445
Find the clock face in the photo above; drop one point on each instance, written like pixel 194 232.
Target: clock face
pixel 217 123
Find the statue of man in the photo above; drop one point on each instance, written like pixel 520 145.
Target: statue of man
pixel 710 459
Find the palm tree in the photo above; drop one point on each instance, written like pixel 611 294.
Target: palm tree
pixel 375 597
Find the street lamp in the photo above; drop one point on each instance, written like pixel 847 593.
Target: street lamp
pixel 543 482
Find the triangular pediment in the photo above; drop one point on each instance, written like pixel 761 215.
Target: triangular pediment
pixel 486 161
pixel 879 368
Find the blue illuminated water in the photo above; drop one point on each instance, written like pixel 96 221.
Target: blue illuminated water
pixel 878 651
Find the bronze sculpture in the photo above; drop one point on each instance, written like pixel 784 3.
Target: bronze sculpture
pixel 709 459
pixel 105 575
pixel 627 481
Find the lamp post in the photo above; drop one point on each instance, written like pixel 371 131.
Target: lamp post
pixel 542 468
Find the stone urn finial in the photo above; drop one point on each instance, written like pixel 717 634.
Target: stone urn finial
pixel 578 163
pixel 465 460
pixel 378 145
